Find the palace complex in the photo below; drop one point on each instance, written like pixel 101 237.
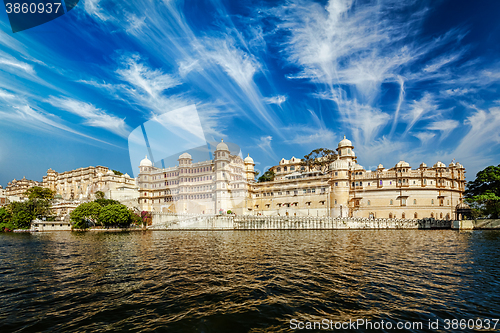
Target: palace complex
pixel 342 189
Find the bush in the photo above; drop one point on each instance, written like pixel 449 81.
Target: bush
pixel 85 212
pixel 115 215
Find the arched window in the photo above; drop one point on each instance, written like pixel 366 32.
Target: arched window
pixel 403 215
pixel 278 169
pixel 432 215
pixel 415 216
pixel 390 215
pixel 292 168
pixel 391 202
pixel 432 201
pixel 414 201
pixel 448 216
pixel 368 202
pixel 441 216
pixel 284 169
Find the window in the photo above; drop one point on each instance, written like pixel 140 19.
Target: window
pixel 415 216
pixel 292 168
pixel 335 201
pixel 336 173
pixel 403 202
pixel 432 201
pixel 380 183
pixel 278 169
pixel 284 169
pixel 391 202
pixel 368 203
pixel 441 216
pixel 414 201
pixel 432 215
pixel 336 184
pixel 390 215
pixel 403 216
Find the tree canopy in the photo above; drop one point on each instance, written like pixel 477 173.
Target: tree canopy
pixel 115 215
pixel 84 213
pixel 268 176
pixel 99 195
pixel 484 192
pixel 319 159
pixel 38 192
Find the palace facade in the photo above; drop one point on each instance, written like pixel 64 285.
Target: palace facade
pixel 83 183
pixel 343 189
pixel 207 187
pixel 16 188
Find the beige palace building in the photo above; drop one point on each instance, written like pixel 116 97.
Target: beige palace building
pixel 343 189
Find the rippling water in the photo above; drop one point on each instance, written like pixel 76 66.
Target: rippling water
pixel 244 281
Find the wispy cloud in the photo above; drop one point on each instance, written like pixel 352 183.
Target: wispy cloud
pixel 278 100
pixel 93 116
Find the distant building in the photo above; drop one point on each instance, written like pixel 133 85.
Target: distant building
pixel 347 189
pixel 342 189
pixel 83 183
pixel 17 188
pixel 208 187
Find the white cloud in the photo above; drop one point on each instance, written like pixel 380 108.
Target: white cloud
pixel 93 8
pixel 443 126
pixel 94 117
pixel 424 137
pixel 278 100
pixel 264 143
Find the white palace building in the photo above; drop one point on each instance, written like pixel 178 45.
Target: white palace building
pixel 227 184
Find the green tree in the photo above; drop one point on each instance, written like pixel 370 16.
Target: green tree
pixel 99 195
pixel 106 202
pixel 38 192
pixel 5 220
pixel 256 173
pixel 483 194
pixel 84 213
pixel 118 173
pixel 319 159
pixel 115 215
pixel 268 176
pixel 21 219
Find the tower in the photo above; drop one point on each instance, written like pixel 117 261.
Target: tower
pixel 339 181
pixel 221 164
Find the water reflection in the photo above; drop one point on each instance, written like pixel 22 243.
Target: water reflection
pixel 244 280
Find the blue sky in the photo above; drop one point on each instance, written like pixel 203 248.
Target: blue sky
pixel 412 80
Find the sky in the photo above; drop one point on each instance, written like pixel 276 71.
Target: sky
pixel 403 80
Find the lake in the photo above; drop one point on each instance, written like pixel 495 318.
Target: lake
pixel 249 281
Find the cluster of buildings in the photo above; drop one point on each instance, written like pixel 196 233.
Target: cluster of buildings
pixel 344 189
pixel 226 184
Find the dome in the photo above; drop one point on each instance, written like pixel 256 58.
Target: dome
pixel 462 205
pixel 380 166
pixel 451 165
pixel 126 175
pixel 146 162
pixel 248 159
pixel 460 166
pixel 439 164
pixel 339 165
pixel 345 143
pixel 402 164
pixel 423 165
pixel 222 145
pixel 185 155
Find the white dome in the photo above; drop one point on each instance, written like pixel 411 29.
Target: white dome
pixel 423 165
pixel 222 145
pixel 345 143
pixel 185 155
pixel 460 166
pixel 146 162
pixel 402 164
pixel 439 164
pixel 452 165
pixel 126 175
pixel 339 165
pixel 380 166
pixel 248 159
